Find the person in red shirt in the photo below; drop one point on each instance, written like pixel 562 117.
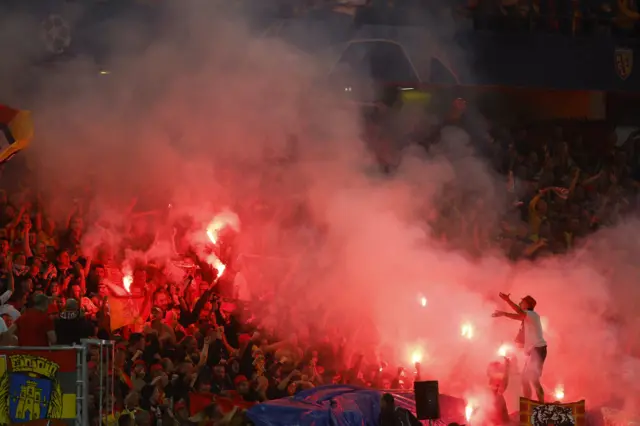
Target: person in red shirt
pixel 35 327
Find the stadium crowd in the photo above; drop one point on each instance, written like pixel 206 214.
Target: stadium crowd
pixel 562 184
pixel 559 180
pixel 197 358
pixel 577 17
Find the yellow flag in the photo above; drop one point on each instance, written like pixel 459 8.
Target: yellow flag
pixel 17 128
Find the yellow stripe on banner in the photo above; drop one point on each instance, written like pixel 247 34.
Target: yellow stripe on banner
pixel 69 406
pixel 4 415
pixel 417 96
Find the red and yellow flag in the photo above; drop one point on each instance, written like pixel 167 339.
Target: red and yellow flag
pixel 127 310
pixel 17 127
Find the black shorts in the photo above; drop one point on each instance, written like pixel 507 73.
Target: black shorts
pixel 535 362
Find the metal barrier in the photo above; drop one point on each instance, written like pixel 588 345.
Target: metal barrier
pixel 54 382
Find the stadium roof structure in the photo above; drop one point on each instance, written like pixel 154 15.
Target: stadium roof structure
pixel 402 55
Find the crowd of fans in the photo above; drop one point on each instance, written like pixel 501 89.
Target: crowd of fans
pixel 559 181
pixel 569 17
pixel 581 17
pixel 561 185
pixel 198 358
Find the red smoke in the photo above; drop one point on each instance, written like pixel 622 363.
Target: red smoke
pixel 204 119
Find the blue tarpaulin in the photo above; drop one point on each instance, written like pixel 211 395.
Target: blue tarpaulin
pixel 342 405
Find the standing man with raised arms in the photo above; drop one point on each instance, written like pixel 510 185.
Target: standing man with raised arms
pixel 531 339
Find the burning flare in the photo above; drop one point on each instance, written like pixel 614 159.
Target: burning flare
pixel 504 350
pixel 468 410
pixel 466 330
pixel 559 392
pixel 221 221
pixel 416 356
pixel 127 279
pixel 214 261
pixel 423 302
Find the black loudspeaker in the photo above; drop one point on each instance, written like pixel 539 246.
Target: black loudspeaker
pixel 427 400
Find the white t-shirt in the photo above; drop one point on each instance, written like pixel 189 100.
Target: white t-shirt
pixel 533 332
pixel 4 297
pixel 6 308
pixel 9 310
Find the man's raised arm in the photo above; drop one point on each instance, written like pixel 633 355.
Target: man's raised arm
pixel 507 299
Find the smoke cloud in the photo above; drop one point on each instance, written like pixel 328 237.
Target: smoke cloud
pixel 208 116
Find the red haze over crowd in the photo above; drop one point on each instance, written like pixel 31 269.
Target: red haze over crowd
pixel 201 120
